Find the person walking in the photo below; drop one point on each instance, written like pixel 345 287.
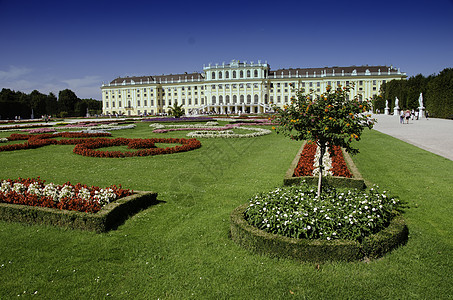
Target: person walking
pixel 408 116
pixel 402 117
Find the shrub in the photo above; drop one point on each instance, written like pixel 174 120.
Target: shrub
pixel 298 212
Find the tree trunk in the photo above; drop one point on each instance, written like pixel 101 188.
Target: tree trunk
pixel 322 149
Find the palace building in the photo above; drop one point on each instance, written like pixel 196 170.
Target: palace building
pixel 235 87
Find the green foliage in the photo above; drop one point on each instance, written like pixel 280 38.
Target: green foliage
pixel 298 212
pixel 176 110
pixel 305 250
pixel 102 221
pixel 14 104
pixel 437 93
pixel 329 119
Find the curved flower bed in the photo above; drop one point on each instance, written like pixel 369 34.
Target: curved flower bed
pixel 36 141
pixel 78 197
pixel 85 144
pixel 146 146
pixel 229 133
pixel 334 162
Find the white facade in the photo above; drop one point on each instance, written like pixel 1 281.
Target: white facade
pixel 235 87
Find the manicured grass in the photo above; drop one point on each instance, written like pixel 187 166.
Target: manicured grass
pixel 181 248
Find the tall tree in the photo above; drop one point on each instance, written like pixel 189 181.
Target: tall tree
pixel 67 100
pixel 329 119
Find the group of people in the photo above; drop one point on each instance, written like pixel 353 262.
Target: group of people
pixel 406 115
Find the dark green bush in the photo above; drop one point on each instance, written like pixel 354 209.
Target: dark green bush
pixel 107 218
pixel 273 245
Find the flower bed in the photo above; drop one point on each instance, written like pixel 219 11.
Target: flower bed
pixel 229 133
pixel 34 192
pixel 183 119
pixel 276 245
pixel 334 162
pixel 37 141
pixel 85 144
pixel 297 212
pixel 342 166
pixel 87 148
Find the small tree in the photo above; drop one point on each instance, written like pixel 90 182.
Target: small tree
pixel 328 119
pixel 176 110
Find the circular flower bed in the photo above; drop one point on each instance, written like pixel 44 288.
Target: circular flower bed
pixel 147 147
pixel 297 212
pixel 34 192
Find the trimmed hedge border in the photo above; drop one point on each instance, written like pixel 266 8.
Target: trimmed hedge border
pixel 106 219
pixel 356 182
pixel 304 250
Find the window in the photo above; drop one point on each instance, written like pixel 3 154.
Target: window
pixel 145 103
pixel 303 84
pixel 113 104
pixel 361 82
pixel 278 99
pixel 256 99
pixel 190 101
pixel 213 75
pixel 227 74
pixel 286 99
pixel 329 83
pixel 119 103
pixel 241 74
pixel 286 90
pixel 106 97
pixel 213 86
pixel 278 84
pixel 213 100
pixel 338 83
pixel 249 85
pixel 152 103
pixel 234 86
pixel 235 99
pixel 106 104
pixel 138 102
pixel 220 75
pixel 374 82
pixel 169 101
pixel 241 85
pixel 227 99
pixel 255 85
pixel 311 84
pixel 255 73
pixel 248 73
pixel 220 99
pixel 286 84
pixel 241 99
pixel 220 86
pixel 234 74
pixel 318 84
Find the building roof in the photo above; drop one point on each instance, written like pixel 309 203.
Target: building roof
pixel 158 78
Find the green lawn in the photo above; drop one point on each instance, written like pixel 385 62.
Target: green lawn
pixel 180 248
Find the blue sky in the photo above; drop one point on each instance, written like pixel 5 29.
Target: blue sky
pixel 53 45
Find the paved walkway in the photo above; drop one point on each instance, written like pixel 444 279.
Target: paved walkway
pixel 434 135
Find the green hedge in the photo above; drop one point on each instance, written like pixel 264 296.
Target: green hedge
pixel 107 218
pixel 273 245
pixel 356 182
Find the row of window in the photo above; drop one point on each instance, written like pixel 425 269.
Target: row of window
pixel 235 99
pixel 234 74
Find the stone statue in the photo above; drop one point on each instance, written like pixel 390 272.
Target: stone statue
pixel 396 101
pixel 420 100
pixel 387 104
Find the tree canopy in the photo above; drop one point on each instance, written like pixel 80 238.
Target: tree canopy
pixel 437 93
pixel 18 104
pixel 328 119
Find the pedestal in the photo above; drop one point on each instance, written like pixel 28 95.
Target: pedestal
pixel 421 112
pixel 396 111
pixel 387 111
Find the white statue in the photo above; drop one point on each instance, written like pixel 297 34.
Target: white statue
pixel 420 100
pixel 387 104
pixel 396 102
